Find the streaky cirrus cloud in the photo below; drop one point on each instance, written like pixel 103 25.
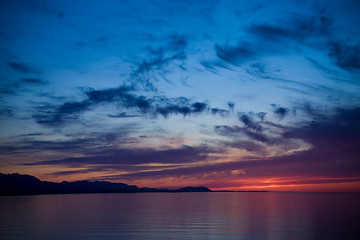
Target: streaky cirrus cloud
pixel 50 114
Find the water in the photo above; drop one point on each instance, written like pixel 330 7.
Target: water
pixel 181 216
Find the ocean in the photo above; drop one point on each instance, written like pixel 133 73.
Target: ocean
pixel 213 215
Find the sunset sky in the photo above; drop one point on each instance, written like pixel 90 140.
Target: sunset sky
pixel 236 95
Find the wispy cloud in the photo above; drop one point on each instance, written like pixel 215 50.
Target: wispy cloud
pixel 157 59
pixel 346 55
pixel 123 157
pixel 21 67
pixel 280 112
pixel 337 164
pixel 54 115
pixel 35 81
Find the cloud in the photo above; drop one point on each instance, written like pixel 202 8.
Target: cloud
pixel 122 115
pixel 199 107
pixel 55 115
pixel 130 158
pixel 263 70
pixel 158 58
pixel 249 121
pixel 122 95
pixel 85 142
pixel 334 156
pixel 157 63
pixel 345 55
pixel 331 132
pixel 237 132
pixel 221 112
pixel 296 28
pixel 235 54
pixel 21 67
pixel 313 31
pixel 291 30
pixel 280 112
pixel 212 66
pixel 6 112
pixel 35 81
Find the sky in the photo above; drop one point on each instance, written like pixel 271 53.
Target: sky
pixel 231 95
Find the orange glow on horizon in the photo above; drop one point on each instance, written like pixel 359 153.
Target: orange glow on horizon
pixel 286 186
pixel 214 181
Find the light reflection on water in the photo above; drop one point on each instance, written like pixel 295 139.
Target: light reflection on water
pixel 181 216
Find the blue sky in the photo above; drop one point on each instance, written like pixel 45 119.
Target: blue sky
pixel 228 94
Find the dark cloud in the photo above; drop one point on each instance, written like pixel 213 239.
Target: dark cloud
pixel 173 109
pixel 199 107
pixel 125 158
pixel 249 121
pixel 35 81
pixel 221 112
pixel 231 106
pixel 183 109
pixel 345 55
pixel 333 158
pixel 235 54
pixel 228 130
pixel 152 66
pixel 53 115
pixel 7 91
pixel 86 143
pixel 277 37
pixel 122 115
pixel 280 112
pixel 157 62
pixel 331 132
pixel 29 135
pixel 261 115
pixel 177 42
pixel 304 166
pixel 296 28
pixel 212 66
pixel 208 66
pixel 271 33
pixel 240 133
pixel 307 31
pixel 73 107
pixel 260 69
pixel 6 112
pixel 21 67
pixel 122 95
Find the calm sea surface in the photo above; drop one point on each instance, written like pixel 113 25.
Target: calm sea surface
pixel 181 216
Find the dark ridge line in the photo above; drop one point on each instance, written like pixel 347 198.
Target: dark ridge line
pixel 19 184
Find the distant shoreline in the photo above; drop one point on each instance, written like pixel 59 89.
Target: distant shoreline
pixel 22 185
pixel 15 184
pixel 18 184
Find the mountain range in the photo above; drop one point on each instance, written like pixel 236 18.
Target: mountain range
pixel 19 184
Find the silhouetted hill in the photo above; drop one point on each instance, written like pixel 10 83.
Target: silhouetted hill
pixel 193 189
pixel 16 184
